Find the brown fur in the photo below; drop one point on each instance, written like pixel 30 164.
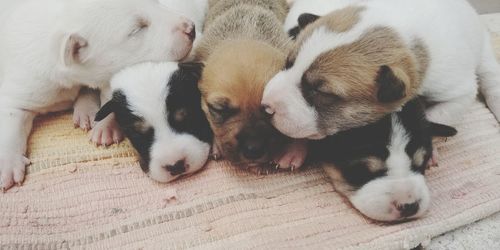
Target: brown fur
pixel 349 73
pixel 243 48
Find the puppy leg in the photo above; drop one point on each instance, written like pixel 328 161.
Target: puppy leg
pixel 294 155
pixel 489 78
pixel 15 129
pixel 85 108
pixel 450 112
pixel 106 132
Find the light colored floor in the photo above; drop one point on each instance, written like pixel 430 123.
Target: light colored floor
pixel 484 234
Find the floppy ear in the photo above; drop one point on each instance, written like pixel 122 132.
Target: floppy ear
pixel 105 110
pixel 74 48
pixel 118 101
pixel 441 130
pixel 306 19
pixel 391 86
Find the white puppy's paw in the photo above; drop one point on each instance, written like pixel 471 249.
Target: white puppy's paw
pixel 293 156
pixel 85 109
pixel 106 132
pixel 83 116
pixel 12 170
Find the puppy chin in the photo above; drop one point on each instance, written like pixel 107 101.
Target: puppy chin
pixel 187 149
pixel 182 49
pixel 379 199
pixel 297 127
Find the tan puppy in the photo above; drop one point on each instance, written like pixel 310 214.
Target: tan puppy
pixel 243 48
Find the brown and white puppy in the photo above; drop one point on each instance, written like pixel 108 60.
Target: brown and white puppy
pixel 355 65
pixel 243 47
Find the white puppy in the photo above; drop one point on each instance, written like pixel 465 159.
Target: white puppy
pixel 367 58
pixel 50 49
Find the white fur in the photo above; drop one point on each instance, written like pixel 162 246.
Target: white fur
pixel 36 75
pixel 458 46
pixel 378 199
pixel 146 89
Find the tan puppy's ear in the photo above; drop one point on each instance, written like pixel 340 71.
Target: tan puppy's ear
pixel 392 84
pixel 306 19
pixel 73 49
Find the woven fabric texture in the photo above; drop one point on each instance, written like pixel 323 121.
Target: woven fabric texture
pixel 79 196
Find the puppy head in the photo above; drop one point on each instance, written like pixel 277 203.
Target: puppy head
pixel 105 36
pixel 232 85
pixel 158 107
pixel 382 169
pixel 338 77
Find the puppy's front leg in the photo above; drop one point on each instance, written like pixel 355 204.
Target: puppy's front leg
pixel 15 128
pixel 106 132
pixel 86 106
pixel 294 155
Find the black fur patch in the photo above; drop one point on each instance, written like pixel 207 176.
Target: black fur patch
pixel 184 103
pixel 306 19
pixel 349 150
pixel 294 32
pixel 140 135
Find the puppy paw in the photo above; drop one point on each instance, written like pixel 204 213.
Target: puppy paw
pixel 84 118
pixel 106 132
pixel 12 170
pixel 433 162
pixel 293 157
pixel 215 153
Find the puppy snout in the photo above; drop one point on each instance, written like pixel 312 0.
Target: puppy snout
pixel 178 168
pixel 188 28
pixel 408 210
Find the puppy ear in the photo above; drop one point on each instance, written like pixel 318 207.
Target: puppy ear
pixel 391 85
pixel 111 107
pixel 441 130
pixel 105 110
pixel 306 19
pixel 74 48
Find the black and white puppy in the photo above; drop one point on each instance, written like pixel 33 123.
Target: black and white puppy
pixel 380 167
pixel 158 107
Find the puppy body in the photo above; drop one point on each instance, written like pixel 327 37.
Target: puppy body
pixel 359 63
pixel 380 167
pixel 158 107
pixel 242 48
pixel 50 49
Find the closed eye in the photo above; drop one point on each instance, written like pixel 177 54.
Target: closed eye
pixel 142 25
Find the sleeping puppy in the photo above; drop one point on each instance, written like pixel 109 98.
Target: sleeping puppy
pixel 380 167
pixel 50 49
pixel 242 48
pixel 359 63
pixel 158 107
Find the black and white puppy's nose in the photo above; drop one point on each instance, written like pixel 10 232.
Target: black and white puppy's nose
pixel 408 210
pixel 177 169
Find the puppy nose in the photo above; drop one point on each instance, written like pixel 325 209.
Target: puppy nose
pixel 177 169
pixel 253 150
pixel 188 28
pixel 408 210
pixel 268 110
